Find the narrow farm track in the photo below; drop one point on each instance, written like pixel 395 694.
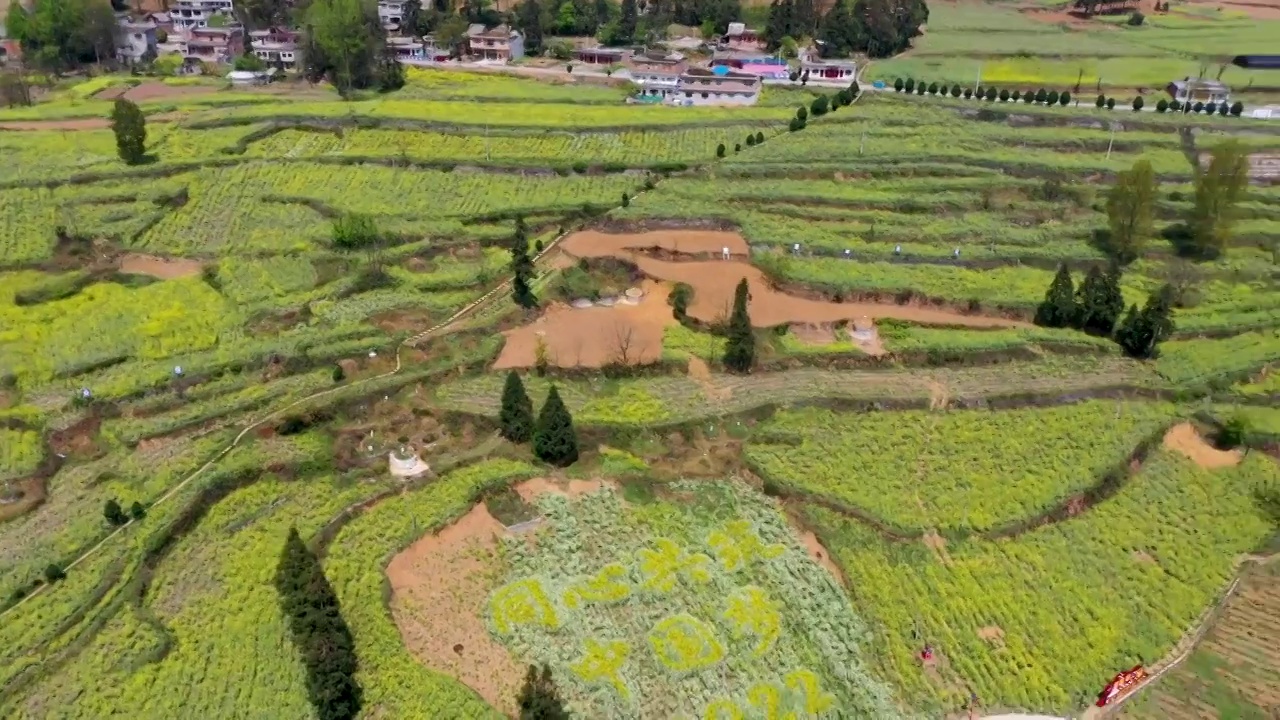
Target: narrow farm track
pixel 413 341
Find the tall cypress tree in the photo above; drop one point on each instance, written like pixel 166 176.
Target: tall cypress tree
pixel 1142 332
pixel 1095 313
pixel 740 350
pixel 626 24
pixel 530 14
pixel 539 699
pixel 1059 306
pixel 554 439
pixel 516 417
pixel 130 128
pixel 319 633
pixel 522 268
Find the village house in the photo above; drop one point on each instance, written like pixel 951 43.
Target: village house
pixel 741 37
pixel 599 55
pixel 192 14
pixel 1189 90
pixel 211 45
pixel 737 58
pixel 501 43
pixel 657 74
pixel 277 47
pixel 820 69
pixel 390 14
pixel 407 49
pixel 135 40
pixel 717 86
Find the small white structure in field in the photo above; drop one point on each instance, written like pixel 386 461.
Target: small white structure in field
pixel 725 253
pixel 405 463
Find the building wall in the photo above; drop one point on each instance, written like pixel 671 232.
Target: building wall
pixel 685 96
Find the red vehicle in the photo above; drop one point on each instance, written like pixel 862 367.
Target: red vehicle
pixel 1121 684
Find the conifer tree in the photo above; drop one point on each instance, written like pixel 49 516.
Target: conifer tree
pixel 319 632
pixel 1142 332
pixel 136 511
pixel 1059 306
pixel 113 513
pixel 130 128
pixel 516 416
pixel 539 699
pixel 554 439
pixel 740 350
pixel 1098 302
pixel 522 268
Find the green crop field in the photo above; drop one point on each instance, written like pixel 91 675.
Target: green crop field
pixel 910 463
pixel 1009 46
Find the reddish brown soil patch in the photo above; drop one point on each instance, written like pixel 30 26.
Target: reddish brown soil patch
pixel 439 587
pixel 938 545
pixel 158 267
pixel 79 441
pixel 714 282
pixel 407 320
pixel 153 91
pixel 1184 439
pixel 701 374
pixel 819 553
pixel 593 337
pixel 590 243
pixel 992 634
pixel 30 492
pixel 529 490
pixel 814 333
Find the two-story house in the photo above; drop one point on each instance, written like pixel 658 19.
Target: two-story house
pixel 717 86
pixel 277 47
pixel 211 45
pixel 501 43
pixel 407 48
pixel 135 39
pixel 657 74
pixel 191 14
pixel 391 14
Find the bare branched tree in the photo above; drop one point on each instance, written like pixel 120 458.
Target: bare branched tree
pixel 623 340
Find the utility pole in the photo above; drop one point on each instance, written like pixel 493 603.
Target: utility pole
pixel 1111 142
pixel 862 145
pixel 977 83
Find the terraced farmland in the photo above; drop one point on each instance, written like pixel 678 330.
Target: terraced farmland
pixel 194 362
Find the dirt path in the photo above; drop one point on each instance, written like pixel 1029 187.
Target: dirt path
pixel 440 587
pixel 153 91
pixel 1183 438
pixel 158 267
pixel 714 282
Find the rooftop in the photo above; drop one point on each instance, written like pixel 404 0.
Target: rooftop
pixel 721 73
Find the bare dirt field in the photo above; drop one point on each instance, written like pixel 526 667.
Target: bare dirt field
pixel 153 91
pixel 158 267
pixel 440 585
pixel 714 282
pixel 819 553
pixel 529 490
pixel 593 337
pixel 1184 439
pixel 591 243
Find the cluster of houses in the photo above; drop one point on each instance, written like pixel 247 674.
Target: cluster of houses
pixel 735 74
pixel 206 32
